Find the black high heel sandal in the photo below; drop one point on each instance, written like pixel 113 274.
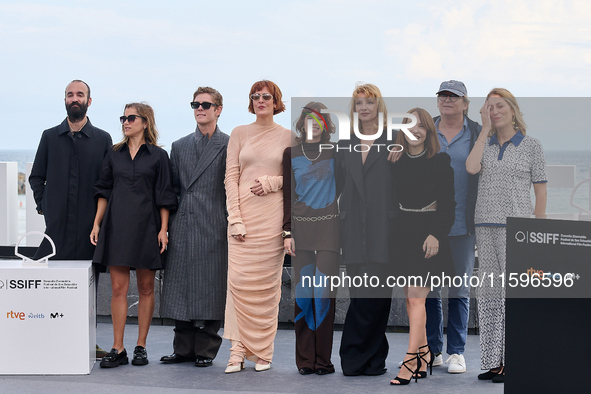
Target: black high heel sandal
pixel 423 374
pixel 403 382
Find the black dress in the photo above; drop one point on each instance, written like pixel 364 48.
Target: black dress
pixel 135 191
pixel 420 182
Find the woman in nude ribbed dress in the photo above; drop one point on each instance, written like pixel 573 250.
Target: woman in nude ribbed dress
pixel 254 175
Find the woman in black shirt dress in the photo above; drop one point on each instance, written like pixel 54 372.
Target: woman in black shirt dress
pixel 130 228
pixel 424 183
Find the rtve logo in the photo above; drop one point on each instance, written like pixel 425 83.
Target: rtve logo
pixel 536 237
pixel 15 315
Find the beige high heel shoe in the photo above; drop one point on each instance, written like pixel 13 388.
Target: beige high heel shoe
pixel 234 368
pixel 262 367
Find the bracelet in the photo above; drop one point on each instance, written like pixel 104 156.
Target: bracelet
pixel 479 140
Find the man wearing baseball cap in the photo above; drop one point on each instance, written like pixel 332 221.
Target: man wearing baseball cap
pixel 457 135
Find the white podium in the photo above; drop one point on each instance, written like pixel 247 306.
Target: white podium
pixel 47 318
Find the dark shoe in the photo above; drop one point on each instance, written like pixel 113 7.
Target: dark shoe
pixel 140 356
pixel 175 359
pixel 415 372
pixel 306 371
pixel 500 377
pixel 114 359
pixel 322 371
pixel 487 375
pixel 422 355
pixel 100 353
pixel 203 362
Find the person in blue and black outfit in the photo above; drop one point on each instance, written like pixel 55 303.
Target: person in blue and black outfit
pixel 310 195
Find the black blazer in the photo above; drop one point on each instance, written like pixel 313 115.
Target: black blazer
pixel 368 204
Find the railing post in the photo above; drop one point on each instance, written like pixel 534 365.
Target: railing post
pixel 8 203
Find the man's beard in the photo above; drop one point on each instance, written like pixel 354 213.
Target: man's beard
pixel 76 111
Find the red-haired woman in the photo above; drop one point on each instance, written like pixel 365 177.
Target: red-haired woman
pixel 424 185
pixel 254 175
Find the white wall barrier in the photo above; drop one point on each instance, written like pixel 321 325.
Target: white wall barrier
pixel 8 203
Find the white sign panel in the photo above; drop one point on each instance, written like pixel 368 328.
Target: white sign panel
pixel 47 318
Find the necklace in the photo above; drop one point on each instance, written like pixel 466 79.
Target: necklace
pixel 415 156
pixel 306 156
pixel 81 127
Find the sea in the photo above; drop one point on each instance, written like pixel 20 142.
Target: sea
pixel 558 198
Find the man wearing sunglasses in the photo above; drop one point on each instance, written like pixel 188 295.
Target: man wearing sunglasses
pixel 194 286
pixel 457 135
pixel 66 167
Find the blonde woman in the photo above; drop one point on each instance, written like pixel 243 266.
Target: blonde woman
pixel 135 197
pixel 367 213
pixel 509 163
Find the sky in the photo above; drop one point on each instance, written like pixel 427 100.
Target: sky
pixel 160 52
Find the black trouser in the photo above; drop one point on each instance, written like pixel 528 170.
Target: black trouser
pixel 191 340
pixel 314 308
pixel 364 346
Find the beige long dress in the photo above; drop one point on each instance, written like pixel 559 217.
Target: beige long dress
pixel 254 266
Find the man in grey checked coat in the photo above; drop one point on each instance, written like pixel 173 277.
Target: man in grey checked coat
pixel 195 274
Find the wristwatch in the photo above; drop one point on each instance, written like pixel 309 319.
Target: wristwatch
pixel 286 234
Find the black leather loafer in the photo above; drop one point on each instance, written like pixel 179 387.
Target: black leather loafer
pixel 499 378
pixel 487 375
pixel 323 371
pixel 203 362
pixel 306 371
pixel 140 356
pixel 114 359
pixel 175 359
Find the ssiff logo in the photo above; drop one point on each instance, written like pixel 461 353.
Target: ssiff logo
pixel 537 237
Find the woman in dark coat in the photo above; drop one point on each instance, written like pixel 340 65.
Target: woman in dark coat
pixel 130 229
pixel 368 210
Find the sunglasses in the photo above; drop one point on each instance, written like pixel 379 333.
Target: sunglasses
pixel 205 105
pixel 452 97
pixel 130 118
pixel 265 96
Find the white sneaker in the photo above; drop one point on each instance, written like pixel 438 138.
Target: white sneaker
pixel 438 360
pixel 456 363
